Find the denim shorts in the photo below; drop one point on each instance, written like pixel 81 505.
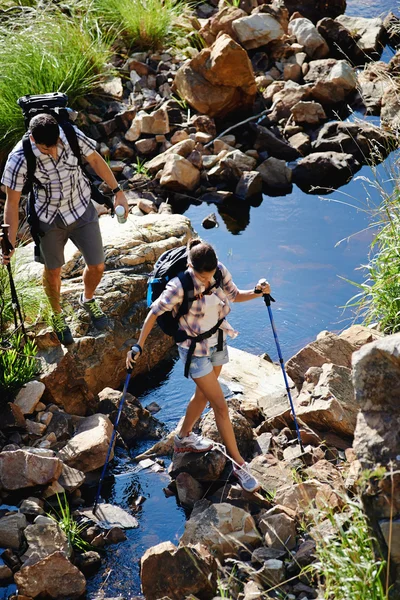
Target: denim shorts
pixel 203 365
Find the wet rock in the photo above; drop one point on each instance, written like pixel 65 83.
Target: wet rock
pixel 189 489
pixel 43 540
pixel 249 185
pixel 179 174
pixel 218 80
pixel 279 529
pixel 210 221
pixel 307 35
pixel 51 577
pixel 87 450
pixel 20 469
pixel 11 528
pixel 29 396
pixel 115 535
pixel 367 32
pixel 308 113
pixel 222 528
pixel 166 570
pixel 279 148
pixel 257 30
pixel 324 171
pixel 88 562
pixel 241 427
pixel 332 80
pixel 207 466
pixel 276 176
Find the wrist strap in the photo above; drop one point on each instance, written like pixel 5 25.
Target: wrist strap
pixel 137 347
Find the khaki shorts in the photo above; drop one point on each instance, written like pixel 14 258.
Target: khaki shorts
pixel 84 233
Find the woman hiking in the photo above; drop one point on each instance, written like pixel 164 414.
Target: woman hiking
pixel 204 359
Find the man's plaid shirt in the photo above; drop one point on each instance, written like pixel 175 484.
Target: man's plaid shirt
pixel 65 191
pixel 172 298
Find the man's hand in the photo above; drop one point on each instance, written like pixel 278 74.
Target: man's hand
pixel 120 200
pixel 133 355
pixel 262 287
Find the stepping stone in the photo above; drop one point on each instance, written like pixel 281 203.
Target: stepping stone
pixel 109 515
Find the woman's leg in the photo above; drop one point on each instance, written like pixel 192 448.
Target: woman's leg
pixel 195 407
pixel 211 390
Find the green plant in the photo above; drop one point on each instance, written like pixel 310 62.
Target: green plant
pixel 45 51
pixel 142 24
pixel 68 525
pixel 139 167
pixel 235 3
pixel 346 562
pixel 18 365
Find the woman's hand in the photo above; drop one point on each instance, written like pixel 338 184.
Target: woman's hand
pixel 262 287
pixel 133 355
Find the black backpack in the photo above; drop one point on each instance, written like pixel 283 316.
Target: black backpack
pixel 174 263
pixel 55 104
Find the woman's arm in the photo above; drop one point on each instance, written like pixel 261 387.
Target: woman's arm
pixel 263 287
pixel 144 333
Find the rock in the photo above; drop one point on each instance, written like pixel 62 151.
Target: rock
pixel 279 530
pixel 29 396
pixel 89 563
pixel 166 570
pixel 51 577
pixel 324 171
pixel 299 496
pixel 221 22
pixel 183 148
pixel 271 475
pixel 341 42
pixel 222 528
pixel 189 489
pixel 179 174
pixel 284 99
pixel 307 35
pixel 372 83
pixel 110 515
pixel 11 417
pixel 367 143
pixel 276 176
pixel 146 146
pixel 210 221
pixel 249 185
pixel 325 472
pixel 279 148
pixel 315 9
pixel 112 87
pixel 87 450
pixel 390 112
pixel 205 124
pixel 155 123
pixel 328 349
pixel 71 479
pixel 243 431
pixel 358 335
pixel 333 80
pixel 115 535
pixel 252 591
pixel 264 442
pixel 220 79
pixel 238 160
pixel 20 469
pixel 308 113
pixel 43 540
pixel 35 429
pixel 31 506
pixel 257 30
pixel 301 142
pixel 292 72
pixel 134 131
pixel 271 574
pixel 207 466
pixel 11 528
pixel 367 32
pixel 147 206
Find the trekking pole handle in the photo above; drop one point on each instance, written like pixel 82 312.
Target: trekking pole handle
pixel 6 245
pixel 268 299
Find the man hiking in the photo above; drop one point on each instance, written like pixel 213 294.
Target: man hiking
pixel 62 201
pixel 203 359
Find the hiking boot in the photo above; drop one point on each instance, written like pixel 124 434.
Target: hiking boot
pixel 192 443
pixel 61 329
pixel 97 316
pixel 247 481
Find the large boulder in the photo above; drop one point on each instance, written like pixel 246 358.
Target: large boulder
pixel 222 528
pixel 179 174
pixel 332 80
pixel 204 466
pixel 257 30
pixel 316 9
pixel 219 80
pixel 52 577
pixel 276 176
pixel 87 450
pixel 168 571
pixel 368 33
pixel 324 171
pixel 308 36
pixel 241 427
pixel 22 468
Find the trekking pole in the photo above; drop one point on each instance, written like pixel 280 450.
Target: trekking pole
pixel 6 248
pixel 114 433
pixel 268 299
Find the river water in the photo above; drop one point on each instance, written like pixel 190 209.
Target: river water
pixel 292 241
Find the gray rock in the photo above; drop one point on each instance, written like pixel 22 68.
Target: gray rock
pixel 333 80
pixel 308 36
pixel 71 479
pixel 20 469
pixel 279 148
pixel 257 30
pixel 243 431
pixel 276 176
pixel 324 171
pixel 249 185
pixel 11 528
pixel 31 506
pixel 189 489
pixel 368 32
pixel 43 540
pixel 342 44
pixel 207 466
pixel 29 396
pixel 301 142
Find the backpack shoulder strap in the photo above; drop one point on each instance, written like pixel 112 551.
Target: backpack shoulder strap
pixel 72 139
pixel 188 293
pixel 30 159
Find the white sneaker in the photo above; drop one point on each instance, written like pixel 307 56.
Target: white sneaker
pixel 248 482
pixel 192 443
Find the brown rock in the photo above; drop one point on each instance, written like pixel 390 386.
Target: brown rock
pixel 189 489
pixel 179 174
pixel 146 146
pixel 310 113
pixel 221 21
pixel 11 529
pixel 242 429
pixel 20 469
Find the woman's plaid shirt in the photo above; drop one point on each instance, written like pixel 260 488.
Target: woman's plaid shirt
pixel 172 298
pixel 64 190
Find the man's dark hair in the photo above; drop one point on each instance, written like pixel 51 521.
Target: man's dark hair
pixel 44 129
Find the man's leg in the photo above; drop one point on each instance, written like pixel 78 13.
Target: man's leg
pixel 92 275
pixel 52 287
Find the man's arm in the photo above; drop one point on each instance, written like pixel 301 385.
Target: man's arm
pixel 11 218
pixel 101 168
